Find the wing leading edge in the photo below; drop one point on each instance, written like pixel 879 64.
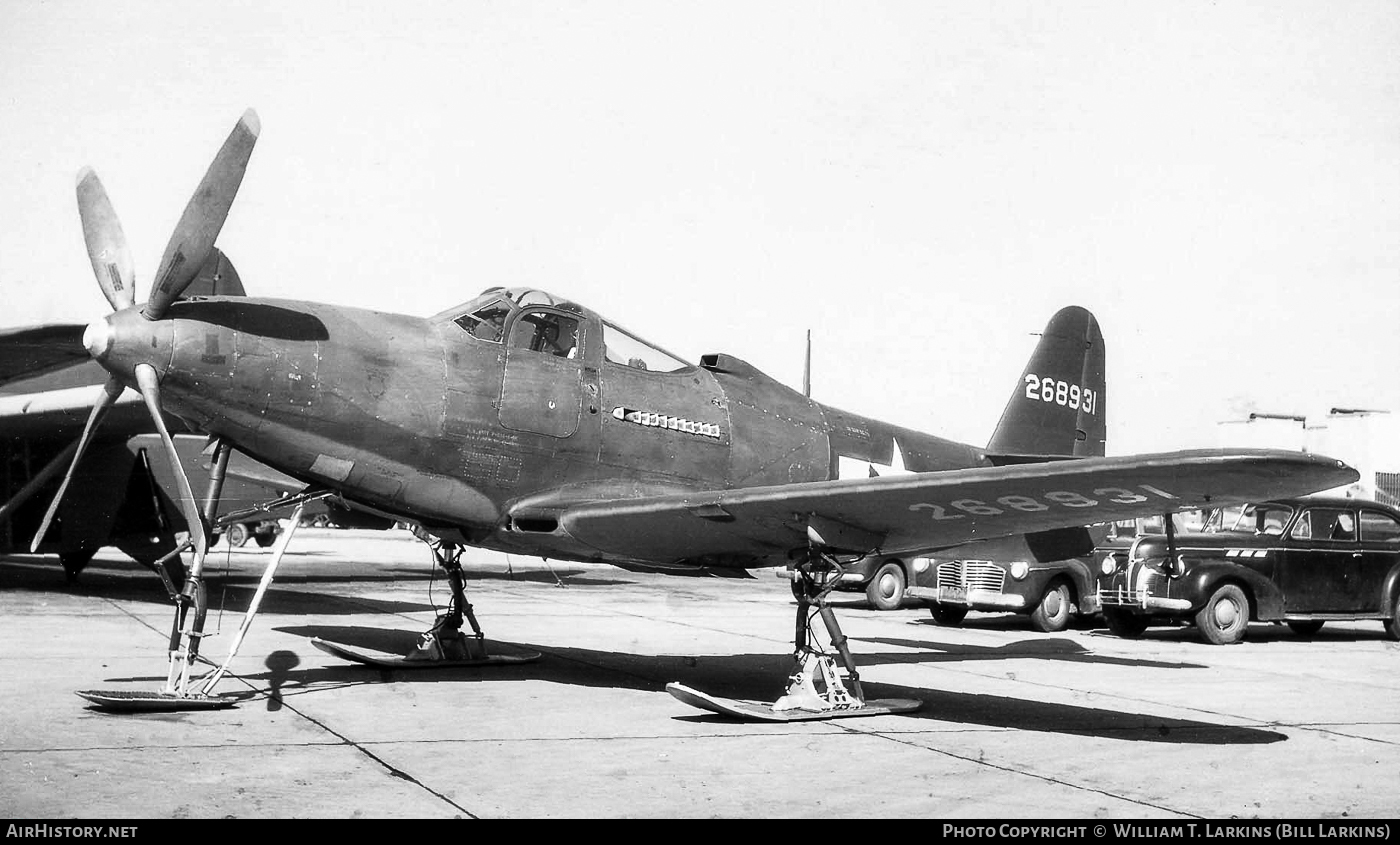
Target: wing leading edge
pixel 927 511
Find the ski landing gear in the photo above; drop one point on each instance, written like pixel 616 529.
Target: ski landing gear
pixel 815 689
pixel 181 691
pixel 443 645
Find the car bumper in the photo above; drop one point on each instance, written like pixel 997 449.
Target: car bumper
pixel 1140 600
pixel 973 598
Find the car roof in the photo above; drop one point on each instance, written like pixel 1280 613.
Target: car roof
pixel 1337 502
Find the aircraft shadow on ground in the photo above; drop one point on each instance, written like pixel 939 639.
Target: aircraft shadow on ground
pixel 232 592
pixel 745 676
pixel 1042 647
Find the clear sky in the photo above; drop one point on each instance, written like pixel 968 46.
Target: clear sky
pixel 921 184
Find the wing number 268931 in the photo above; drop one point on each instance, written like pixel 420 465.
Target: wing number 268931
pixel 1028 504
pixel 1046 389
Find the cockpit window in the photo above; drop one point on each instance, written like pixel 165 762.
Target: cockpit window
pixel 623 347
pixel 485 316
pixel 552 334
pixel 485 322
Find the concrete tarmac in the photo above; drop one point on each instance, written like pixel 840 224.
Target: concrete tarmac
pixel 1014 725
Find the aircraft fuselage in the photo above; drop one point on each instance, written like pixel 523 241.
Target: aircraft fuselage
pixel 421 419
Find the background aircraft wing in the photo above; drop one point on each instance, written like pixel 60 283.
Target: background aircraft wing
pixel 927 511
pixel 36 350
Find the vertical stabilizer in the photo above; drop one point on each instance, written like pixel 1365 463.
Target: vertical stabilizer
pixel 1058 405
pixel 216 277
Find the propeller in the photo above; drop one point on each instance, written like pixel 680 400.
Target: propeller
pixel 190 248
pixel 106 243
pixel 204 216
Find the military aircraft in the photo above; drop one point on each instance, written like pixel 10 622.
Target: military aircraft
pixel 524 422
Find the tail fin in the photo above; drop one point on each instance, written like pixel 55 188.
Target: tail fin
pixel 1057 408
pixel 215 278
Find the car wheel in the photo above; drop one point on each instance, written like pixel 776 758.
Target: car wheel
pixel 237 534
pixel 1225 616
pixel 947 615
pixel 1392 625
pixel 265 538
pixel 1120 623
pixel 1306 629
pixel 1053 612
pixel 886 589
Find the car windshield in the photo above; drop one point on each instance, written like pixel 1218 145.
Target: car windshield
pixel 1269 519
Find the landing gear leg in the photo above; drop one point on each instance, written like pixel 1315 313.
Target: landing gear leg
pixel 445 640
pixel 181 692
pixel 186 630
pixel 816 689
pixel 444 645
pixel 812 666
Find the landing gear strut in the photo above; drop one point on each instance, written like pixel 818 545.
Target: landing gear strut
pixel 816 688
pixel 443 645
pixel 812 582
pixel 445 640
pixel 181 691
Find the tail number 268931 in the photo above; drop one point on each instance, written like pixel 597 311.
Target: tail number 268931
pixel 1046 389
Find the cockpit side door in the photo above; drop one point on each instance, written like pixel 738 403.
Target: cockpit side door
pixel 542 386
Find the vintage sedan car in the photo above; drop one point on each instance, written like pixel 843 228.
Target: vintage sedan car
pixel 1052 594
pixel 1050 577
pixel 1303 562
pixel 1013 579
pixel 883 579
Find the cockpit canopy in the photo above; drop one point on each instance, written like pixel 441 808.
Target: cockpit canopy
pixel 541 322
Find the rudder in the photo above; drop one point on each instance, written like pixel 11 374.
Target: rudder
pixel 1057 408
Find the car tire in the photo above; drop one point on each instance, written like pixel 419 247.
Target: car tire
pixel 264 538
pixel 947 615
pixel 1052 613
pixel 1120 623
pixel 1225 616
pixel 237 535
pixel 1306 629
pixel 1392 625
pixel 886 588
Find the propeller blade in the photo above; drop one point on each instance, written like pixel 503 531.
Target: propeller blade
pixel 110 391
pixel 204 216
pixel 106 243
pixel 149 383
pixel 40 478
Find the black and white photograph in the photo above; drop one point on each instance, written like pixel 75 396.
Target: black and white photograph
pixel 976 412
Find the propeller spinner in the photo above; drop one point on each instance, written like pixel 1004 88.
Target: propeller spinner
pixel 190 246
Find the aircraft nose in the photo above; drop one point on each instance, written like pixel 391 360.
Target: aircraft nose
pixel 97 338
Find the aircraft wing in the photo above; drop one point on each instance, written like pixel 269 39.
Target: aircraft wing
pixel 926 511
pixel 36 350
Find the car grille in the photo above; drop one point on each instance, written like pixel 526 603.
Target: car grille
pixel 971 574
pixel 1150 583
